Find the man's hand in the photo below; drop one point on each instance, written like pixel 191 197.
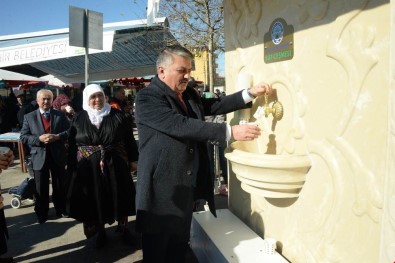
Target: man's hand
pixel 69 110
pixel 48 138
pixel 261 89
pixel 245 132
pixel 133 166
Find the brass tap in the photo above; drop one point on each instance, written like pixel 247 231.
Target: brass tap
pixel 276 110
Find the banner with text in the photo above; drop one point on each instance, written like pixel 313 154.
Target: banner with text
pixel 48 50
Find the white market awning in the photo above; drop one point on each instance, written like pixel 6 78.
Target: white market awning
pixel 6 75
pixel 130 48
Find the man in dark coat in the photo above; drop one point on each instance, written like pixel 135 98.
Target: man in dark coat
pixel 173 168
pixel 45 131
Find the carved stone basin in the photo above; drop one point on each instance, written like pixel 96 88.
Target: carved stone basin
pixel 268 175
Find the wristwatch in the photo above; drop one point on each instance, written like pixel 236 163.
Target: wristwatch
pixel 250 94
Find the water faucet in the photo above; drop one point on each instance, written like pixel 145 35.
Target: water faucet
pixel 262 112
pixel 277 109
pixel 260 115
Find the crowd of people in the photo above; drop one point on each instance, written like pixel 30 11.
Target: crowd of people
pixel 89 152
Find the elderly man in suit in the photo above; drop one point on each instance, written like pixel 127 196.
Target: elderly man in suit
pixel 45 131
pixel 173 168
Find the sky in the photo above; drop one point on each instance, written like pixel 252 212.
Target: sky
pixel 24 16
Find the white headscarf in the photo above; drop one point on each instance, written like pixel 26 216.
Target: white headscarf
pixel 95 116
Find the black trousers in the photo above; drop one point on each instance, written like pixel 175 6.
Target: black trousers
pixel 41 177
pixel 164 248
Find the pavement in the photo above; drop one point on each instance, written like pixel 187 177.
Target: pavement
pixel 61 239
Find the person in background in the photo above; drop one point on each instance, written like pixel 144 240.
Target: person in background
pixel 102 154
pixel 217 93
pixel 6 159
pixel 218 151
pixel 45 131
pixel 12 108
pixel 24 108
pixel 12 97
pixel 174 169
pixel 63 103
pixel 7 116
pixel 107 94
pixel 220 171
pixel 76 102
pixel 193 84
pixel 118 101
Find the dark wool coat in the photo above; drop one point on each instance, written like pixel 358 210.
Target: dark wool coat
pixel 173 151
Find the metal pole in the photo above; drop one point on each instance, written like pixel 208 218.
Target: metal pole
pixel 86 38
pixel 86 66
pixel 217 182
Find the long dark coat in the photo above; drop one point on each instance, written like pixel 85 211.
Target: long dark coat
pixel 96 195
pixel 173 168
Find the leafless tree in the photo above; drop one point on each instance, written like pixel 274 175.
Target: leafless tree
pixel 197 25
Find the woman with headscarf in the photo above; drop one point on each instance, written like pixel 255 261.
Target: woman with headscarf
pixel 102 153
pixel 62 103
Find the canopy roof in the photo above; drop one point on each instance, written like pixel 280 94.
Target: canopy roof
pixel 13 79
pixel 6 75
pixel 130 48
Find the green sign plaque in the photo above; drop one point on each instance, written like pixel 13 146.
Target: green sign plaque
pixel 279 42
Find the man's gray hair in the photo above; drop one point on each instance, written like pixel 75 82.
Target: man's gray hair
pixel 41 91
pixel 166 56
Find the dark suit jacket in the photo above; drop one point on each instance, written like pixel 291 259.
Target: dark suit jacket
pixel 172 151
pixel 33 127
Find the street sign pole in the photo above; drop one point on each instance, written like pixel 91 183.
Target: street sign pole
pixel 86 44
pixel 85 30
